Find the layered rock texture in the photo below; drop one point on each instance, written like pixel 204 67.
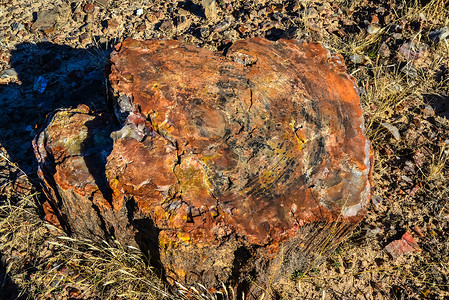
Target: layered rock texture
pixel 251 162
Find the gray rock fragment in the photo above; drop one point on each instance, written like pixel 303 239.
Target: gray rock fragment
pixel 439 34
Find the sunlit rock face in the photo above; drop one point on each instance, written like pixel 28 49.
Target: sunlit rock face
pixel 217 161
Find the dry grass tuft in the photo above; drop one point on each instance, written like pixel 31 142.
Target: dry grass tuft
pixel 42 261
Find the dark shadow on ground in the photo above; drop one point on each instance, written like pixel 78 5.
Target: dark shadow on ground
pixel 193 8
pixel 49 76
pixel 439 103
pixel 8 290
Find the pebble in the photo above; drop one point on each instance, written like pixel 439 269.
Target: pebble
pixel 10 74
pixel 384 50
pixel 40 84
pixel 393 130
pixel 439 34
pixel 373 28
pixel 357 59
pixel 210 9
pixel 377 200
pixel 111 26
pixel 84 38
pixel 405 245
pixel 407 179
pixel 374 231
pixel 139 12
pixel 221 26
pixel 17 26
pixel 166 25
pixel 428 111
pixel 413 50
pixel 89 8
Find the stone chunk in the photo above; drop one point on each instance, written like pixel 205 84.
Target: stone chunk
pixel 48 20
pixel 405 245
pixel 217 161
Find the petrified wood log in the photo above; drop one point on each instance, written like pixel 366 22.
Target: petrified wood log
pixel 220 163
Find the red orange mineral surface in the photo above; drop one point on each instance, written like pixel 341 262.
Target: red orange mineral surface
pixel 217 160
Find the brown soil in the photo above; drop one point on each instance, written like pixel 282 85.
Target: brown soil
pixel 397 51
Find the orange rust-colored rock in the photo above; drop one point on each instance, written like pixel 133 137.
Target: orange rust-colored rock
pixel 216 157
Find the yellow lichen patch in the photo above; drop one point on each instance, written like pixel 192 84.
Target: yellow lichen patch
pixel 193 180
pixel 160 213
pixel 184 237
pixel 206 158
pixel 165 241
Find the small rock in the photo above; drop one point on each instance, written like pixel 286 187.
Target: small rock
pixel 30 129
pixel 221 26
pixel 139 12
pixel 77 17
pixel 89 8
pixel 407 179
pixel 46 20
pixel 311 12
pixel 439 34
pixel 183 12
pixel 182 22
pixel 428 111
pixel 409 167
pixel 418 231
pixel 372 232
pixel 377 200
pixel 397 36
pixel 84 38
pixel 203 31
pixel 8 75
pixel 373 28
pixel 141 27
pixel 384 50
pixel 210 9
pixel 242 29
pixel 357 59
pixel 413 50
pixel 111 26
pixel 17 26
pixel 166 25
pixel 154 17
pixel 380 10
pixel 40 84
pixel 89 18
pixel 406 244
pixel 393 130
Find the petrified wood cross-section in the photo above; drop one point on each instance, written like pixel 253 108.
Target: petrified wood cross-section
pixel 213 153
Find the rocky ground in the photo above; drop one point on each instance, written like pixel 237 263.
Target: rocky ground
pixel 53 55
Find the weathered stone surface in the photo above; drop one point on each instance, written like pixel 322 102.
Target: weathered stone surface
pixel 220 163
pixel 405 245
